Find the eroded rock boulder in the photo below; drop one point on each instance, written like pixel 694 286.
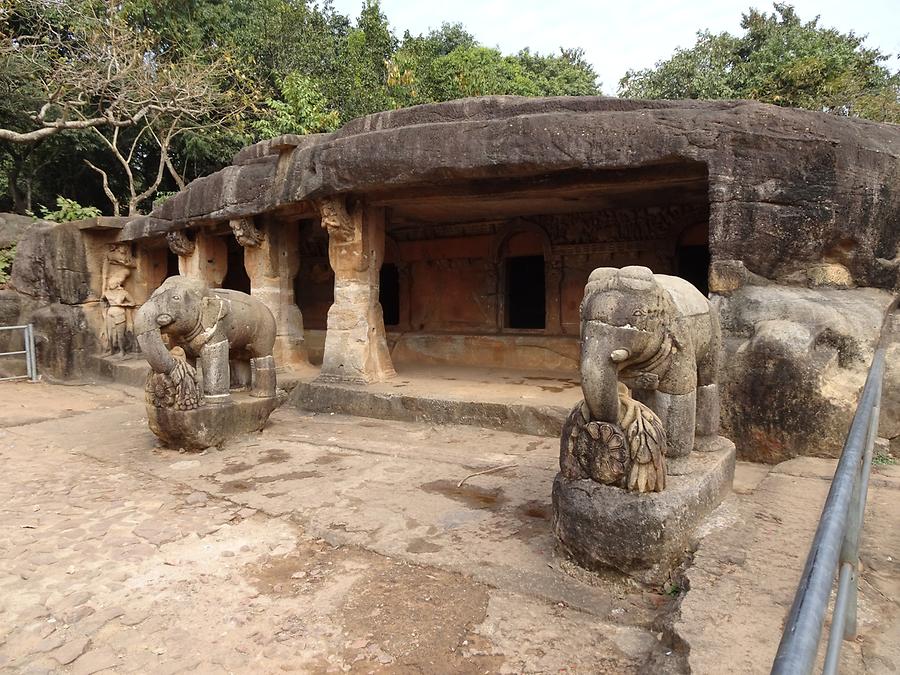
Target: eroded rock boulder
pixel 796 360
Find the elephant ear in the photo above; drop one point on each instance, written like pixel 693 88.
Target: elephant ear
pixel 212 309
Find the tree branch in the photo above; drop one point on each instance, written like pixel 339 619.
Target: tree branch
pixel 106 189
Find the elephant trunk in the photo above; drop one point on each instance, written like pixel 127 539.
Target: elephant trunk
pixel 150 340
pixel 600 379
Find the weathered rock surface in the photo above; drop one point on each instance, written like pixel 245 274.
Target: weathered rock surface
pixel 788 188
pixel 12 227
pixel 51 264
pixel 64 339
pixel 796 360
pixel 644 535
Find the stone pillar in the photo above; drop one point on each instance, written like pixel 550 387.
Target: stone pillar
pixel 205 258
pixel 553 294
pixel 355 346
pixel 150 272
pixel 272 260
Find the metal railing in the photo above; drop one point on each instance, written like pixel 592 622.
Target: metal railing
pixel 29 354
pixel 835 544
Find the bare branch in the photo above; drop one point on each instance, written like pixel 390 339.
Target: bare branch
pixel 106 189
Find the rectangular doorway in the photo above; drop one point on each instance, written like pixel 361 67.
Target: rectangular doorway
pixel 526 292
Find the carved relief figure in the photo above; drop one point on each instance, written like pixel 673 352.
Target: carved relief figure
pixel 179 243
pixel 118 329
pixel 210 326
pixel 246 232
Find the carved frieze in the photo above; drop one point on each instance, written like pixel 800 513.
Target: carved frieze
pixel 643 224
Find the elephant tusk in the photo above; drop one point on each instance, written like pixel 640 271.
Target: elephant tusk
pixel 619 355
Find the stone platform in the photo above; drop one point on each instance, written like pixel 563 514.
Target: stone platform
pixel 520 401
pixel 210 425
pixel 528 402
pixel 644 535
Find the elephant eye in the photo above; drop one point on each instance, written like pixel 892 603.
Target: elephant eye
pixel 175 297
pixel 638 312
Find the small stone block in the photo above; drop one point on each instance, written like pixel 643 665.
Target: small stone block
pixel 643 535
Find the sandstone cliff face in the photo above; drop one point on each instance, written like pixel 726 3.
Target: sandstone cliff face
pixel 50 286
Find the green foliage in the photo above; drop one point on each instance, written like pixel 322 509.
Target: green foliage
pixel 448 63
pixel 6 260
pixel 882 458
pixel 68 210
pixel 781 60
pixel 302 109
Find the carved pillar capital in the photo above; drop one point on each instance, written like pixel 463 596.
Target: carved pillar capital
pixel 179 243
pixel 246 232
pixel 336 218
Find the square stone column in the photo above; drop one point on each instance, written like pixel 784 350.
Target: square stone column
pixel 205 257
pixel 355 346
pixel 272 259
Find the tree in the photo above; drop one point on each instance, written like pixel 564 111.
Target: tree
pixel 449 63
pixel 302 109
pixel 779 59
pixel 75 65
pixel 66 65
pixel 109 102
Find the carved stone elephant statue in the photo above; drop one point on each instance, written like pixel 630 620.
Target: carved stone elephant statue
pixel 658 335
pixel 212 326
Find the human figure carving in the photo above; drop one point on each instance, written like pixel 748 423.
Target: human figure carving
pixel 118 328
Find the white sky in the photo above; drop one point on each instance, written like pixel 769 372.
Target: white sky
pixel 618 35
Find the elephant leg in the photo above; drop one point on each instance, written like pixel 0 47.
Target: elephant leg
pixel 677 412
pixel 262 379
pixel 708 367
pixel 708 410
pixel 216 372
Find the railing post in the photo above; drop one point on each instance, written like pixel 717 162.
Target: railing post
pixel 32 355
pixel 852 555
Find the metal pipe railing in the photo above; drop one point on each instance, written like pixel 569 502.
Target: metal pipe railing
pixel 836 544
pixel 29 353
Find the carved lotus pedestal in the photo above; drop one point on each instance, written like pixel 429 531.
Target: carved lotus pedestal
pixel 210 425
pixel 644 535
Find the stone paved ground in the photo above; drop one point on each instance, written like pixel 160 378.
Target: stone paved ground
pixel 334 544
pixel 117 555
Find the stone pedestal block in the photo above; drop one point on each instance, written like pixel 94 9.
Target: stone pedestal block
pixel 643 535
pixel 210 425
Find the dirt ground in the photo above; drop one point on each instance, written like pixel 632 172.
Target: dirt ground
pixel 339 544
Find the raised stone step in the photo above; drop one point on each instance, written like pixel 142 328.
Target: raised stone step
pixel 538 419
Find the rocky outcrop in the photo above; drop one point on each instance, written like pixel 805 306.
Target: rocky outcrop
pixel 51 279
pixel 787 188
pixel 51 264
pixel 796 359
pixel 12 227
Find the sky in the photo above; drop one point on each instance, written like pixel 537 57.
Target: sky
pixel 619 35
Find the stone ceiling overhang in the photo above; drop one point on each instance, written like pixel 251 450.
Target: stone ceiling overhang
pixel 765 163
